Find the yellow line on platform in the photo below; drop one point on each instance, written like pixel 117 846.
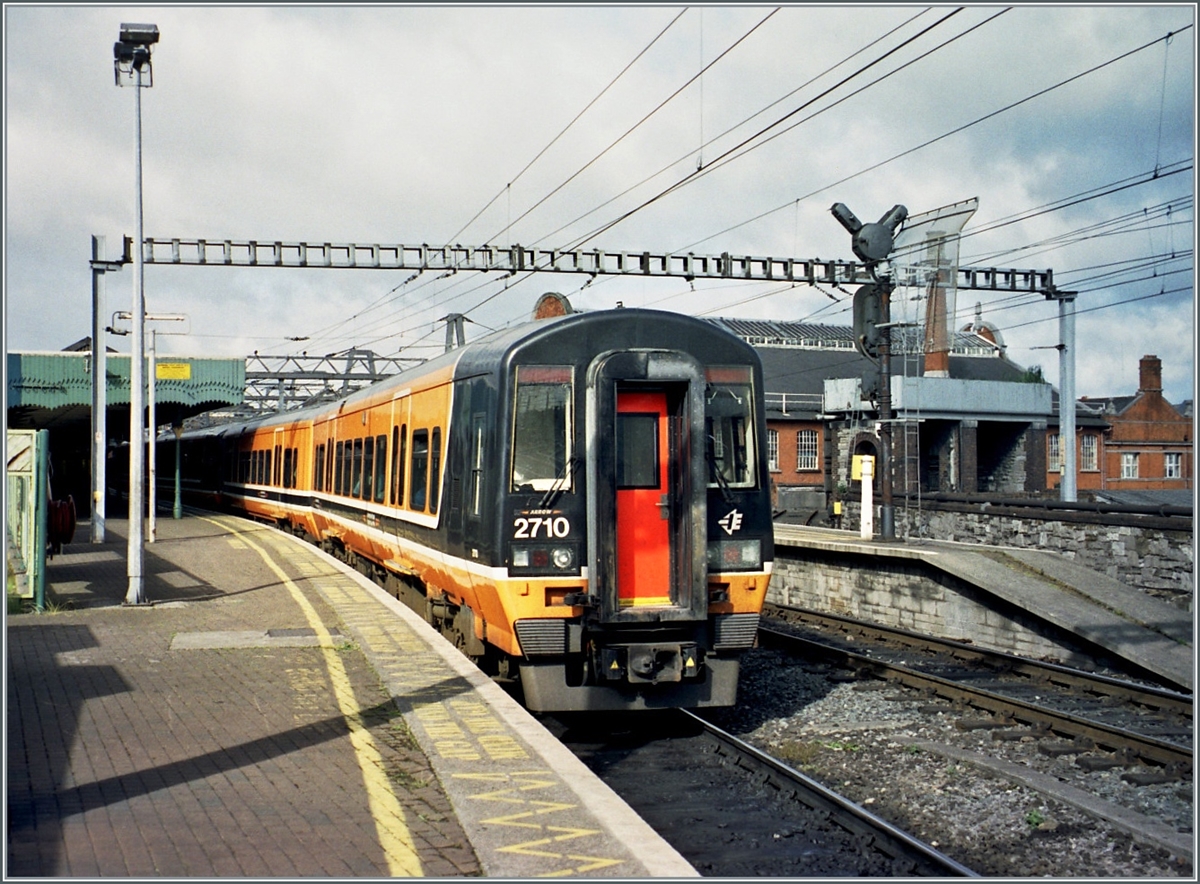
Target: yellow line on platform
pixel 390 825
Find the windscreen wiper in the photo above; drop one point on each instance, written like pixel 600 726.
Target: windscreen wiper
pixel 560 483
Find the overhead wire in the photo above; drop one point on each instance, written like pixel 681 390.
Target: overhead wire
pixel 640 122
pixel 749 143
pixel 382 300
pixel 938 138
pixel 574 120
pixel 954 131
pixel 848 78
pixel 633 128
pixel 733 128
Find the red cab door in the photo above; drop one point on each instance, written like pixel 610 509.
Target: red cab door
pixel 643 509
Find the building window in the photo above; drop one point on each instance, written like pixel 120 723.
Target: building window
pixel 806 450
pixel 1172 465
pixel 1087 453
pixel 773 450
pixel 1129 465
pixel 1054 453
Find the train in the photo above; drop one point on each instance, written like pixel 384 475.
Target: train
pixel 579 503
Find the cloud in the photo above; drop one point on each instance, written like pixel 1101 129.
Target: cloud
pixel 399 124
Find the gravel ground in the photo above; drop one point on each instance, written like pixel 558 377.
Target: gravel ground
pixel 863 742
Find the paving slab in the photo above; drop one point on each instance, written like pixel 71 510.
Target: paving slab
pixel 271 713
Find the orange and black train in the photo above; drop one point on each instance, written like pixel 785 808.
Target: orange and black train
pixel 580 502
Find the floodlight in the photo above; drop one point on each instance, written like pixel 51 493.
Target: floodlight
pixel 139 35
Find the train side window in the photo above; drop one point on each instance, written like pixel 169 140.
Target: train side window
pixel 478 423
pixel 319 468
pixel 339 474
pixel 276 477
pixel 266 476
pixel 380 467
pixel 401 462
pixel 295 465
pixel 356 469
pixel 420 469
pixel 368 467
pixel 395 463
pixel 542 428
pixel 329 467
pixel 435 469
pixel 287 467
pixel 729 427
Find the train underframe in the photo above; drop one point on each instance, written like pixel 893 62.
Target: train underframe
pixel 628 668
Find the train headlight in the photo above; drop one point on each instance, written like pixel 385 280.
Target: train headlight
pixel 544 559
pixel 735 555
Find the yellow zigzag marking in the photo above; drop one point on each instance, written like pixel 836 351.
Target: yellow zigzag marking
pixel 511 819
pixel 569 835
pixel 594 862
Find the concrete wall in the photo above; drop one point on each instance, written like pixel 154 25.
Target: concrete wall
pixel 911 596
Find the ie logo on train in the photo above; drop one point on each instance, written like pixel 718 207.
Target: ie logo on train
pixel 731 521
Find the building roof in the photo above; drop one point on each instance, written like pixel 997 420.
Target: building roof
pixel 798 358
pixel 1167 497
pixel 817 336
pixel 50 389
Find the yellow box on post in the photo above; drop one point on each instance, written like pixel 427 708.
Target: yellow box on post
pixel 856 466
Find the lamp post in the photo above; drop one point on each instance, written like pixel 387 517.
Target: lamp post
pixel 131 55
pixel 99 266
pixel 152 407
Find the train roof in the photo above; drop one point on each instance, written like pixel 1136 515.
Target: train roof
pixel 626 327
pixel 631 327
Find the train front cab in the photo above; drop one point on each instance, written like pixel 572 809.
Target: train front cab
pixel 671 467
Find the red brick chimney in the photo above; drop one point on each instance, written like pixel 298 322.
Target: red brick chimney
pixel 1150 375
pixel 937 330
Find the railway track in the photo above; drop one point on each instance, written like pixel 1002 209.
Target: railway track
pixel 1105 722
pixel 733 810
pixel 1048 771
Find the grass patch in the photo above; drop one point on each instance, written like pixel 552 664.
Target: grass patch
pixel 19 605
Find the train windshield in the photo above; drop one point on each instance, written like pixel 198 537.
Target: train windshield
pixel 542 428
pixel 729 426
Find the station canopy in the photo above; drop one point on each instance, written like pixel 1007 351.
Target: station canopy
pixel 51 390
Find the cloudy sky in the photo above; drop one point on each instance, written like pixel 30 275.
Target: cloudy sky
pixel 539 125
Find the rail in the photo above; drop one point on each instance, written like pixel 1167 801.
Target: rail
pixel 875 830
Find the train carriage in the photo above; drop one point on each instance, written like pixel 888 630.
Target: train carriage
pixel 581 501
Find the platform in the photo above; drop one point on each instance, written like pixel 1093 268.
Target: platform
pixel 1129 624
pixel 269 713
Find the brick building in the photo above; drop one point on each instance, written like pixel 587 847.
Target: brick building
pixel 1129 443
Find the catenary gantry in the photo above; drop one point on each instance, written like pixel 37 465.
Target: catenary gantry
pixel 519 259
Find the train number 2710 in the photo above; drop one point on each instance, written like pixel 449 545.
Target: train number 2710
pixel 530 528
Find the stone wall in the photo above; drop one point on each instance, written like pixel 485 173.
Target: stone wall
pixel 1157 561
pixel 914 597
